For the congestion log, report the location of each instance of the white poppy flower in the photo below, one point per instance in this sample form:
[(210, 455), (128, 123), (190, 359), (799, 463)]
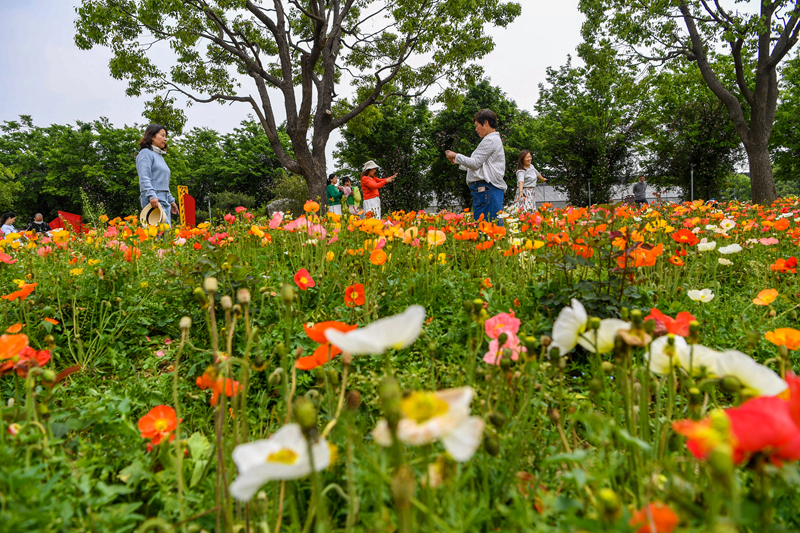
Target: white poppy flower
[(571, 322), (698, 357), (396, 332), (282, 456), (704, 295), (706, 246), (730, 249), (723, 261), (664, 358), (757, 379), (442, 415), (605, 335)]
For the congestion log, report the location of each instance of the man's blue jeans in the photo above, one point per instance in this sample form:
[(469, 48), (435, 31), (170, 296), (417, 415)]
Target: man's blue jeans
[(487, 202)]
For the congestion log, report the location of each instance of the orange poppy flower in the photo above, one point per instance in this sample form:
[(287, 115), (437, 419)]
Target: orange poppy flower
[(325, 351), (485, 245), (765, 297), (781, 224), (788, 337), (132, 254), (677, 261), (654, 518), (158, 423), (52, 321), (212, 380), (583, 250), (311, 206), (12, 345), (354, 295), (436, 237), (377, 257), (303, 279), (785, 265), (22, 293), (14, 328)]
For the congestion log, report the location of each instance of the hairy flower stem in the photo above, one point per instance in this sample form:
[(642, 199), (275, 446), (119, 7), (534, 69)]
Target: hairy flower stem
[(178, 451)]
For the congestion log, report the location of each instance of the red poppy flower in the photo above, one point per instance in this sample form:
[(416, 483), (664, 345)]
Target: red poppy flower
[(654, 518), (22, 293), (158, 423), (678, 325), (197, 246), (684, 236), (325, 351), (354, 295), (785, 265), (29, 358), (303, 279)]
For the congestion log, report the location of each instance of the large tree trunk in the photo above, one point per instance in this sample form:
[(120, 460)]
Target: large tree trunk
[(762, 184)]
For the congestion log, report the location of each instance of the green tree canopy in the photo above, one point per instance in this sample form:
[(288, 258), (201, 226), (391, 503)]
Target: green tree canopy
[(294, 53), (786, 135), (756, 39)]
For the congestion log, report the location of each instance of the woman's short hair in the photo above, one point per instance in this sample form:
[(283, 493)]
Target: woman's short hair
[(150, 132), (486, 115), (6, 216), (520, 160)]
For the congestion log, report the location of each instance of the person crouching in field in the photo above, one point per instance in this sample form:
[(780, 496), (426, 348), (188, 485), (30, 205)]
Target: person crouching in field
[(370, 184)]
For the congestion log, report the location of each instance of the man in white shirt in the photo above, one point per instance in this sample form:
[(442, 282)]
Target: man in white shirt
[(485, 168)]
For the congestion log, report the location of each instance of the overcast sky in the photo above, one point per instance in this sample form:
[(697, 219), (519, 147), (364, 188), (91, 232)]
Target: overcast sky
[(43, 73)]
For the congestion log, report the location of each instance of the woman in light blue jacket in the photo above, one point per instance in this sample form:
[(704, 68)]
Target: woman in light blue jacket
[(153, 171)]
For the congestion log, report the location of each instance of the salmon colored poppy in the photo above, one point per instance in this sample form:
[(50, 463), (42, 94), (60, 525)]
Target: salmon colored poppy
[(678, 325), (436, 237), (158, 423), (354, 295), (325, 351), (654, 517), (684, 236), (765, 297), (5, 258), (23, 292), (788, 337), (377, 257), (303, 279)]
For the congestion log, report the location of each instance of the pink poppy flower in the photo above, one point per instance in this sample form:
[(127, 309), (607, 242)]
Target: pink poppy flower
[(295, 224), (275, 223), (502, 323), (111, 232), (495, 353), (230, 219), (160, 353), (768, 241), (5, 258), (240, 209)]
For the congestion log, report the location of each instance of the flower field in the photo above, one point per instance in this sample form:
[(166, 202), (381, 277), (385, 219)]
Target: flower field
[(603, 369)]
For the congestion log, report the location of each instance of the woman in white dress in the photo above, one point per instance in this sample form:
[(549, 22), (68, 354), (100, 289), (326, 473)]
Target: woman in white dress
[(527, 178)]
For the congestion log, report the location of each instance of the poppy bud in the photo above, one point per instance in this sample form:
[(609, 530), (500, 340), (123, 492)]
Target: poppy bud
[(609, 504), (225, 266), (243, 296), (623, 313), (432, 347), (262, 290), (347, 358), (793, 316), (201, 297), (287, 293), (555, 353), (497, 419), (262, 502), (477, 304), (730, 384), (491, 445), (281, 349), (237, 311), (211, 285), (720, 459), (275, 377), (403, 486), (353, 400), (695, 396), (390, 395), (594, 323), (49, 376), (226, 302), (554, 415), (637, 319), (468, 306), (649, 326), (783, 351), (49, 340), (753, 338), (305, 414), (333, 377), (259, 364), (608, 367), (312, 394), (545, 341), (595, 385), (502, 338), (185, 323)]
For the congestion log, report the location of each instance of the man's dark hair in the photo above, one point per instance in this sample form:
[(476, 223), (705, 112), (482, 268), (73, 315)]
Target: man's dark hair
[(151, 131), (486, 115)]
